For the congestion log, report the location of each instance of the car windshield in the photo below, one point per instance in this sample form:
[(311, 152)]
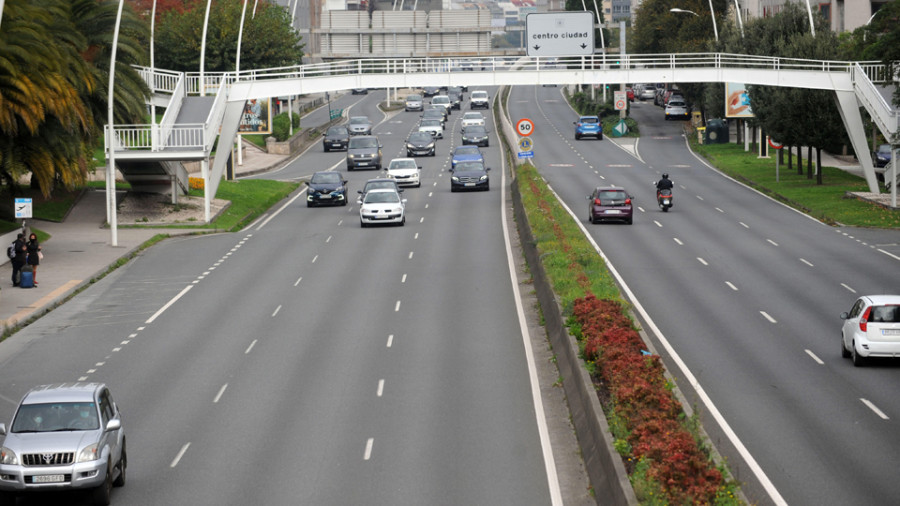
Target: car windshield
[(467, 166), (473, 115), (402, 164), (363, 143), (359, 120), (420, 137), (374, 185), (57, 416), (441, 100), (382, 198), (414, 98), (474, 130), (673, 103), (326, 177), (433, 113), (467, 150), (431, 123), (608, 197), (590, 119), (884, 149), (337, 130)]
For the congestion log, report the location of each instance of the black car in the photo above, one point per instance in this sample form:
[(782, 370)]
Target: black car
[(379, 183), (882, 156), (364, 151), (420, 144), (457, 89), (455, 100), (469, 176), (336, 137), (326, 187), (435, 111), (430, 91), (359, 91), (476, 135)]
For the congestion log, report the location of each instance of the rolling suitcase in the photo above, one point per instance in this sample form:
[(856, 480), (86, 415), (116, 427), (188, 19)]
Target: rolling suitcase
[(27, 280)]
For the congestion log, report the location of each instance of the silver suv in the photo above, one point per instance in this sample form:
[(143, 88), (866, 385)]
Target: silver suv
[(64, 437)]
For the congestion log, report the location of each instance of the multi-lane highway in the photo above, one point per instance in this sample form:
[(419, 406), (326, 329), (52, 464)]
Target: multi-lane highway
[(748, 293)]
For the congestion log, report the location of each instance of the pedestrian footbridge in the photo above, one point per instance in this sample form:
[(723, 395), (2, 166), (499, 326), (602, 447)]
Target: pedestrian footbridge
[(201, 107)]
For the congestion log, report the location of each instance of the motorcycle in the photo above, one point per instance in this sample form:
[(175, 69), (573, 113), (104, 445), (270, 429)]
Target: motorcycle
[(664, 199)]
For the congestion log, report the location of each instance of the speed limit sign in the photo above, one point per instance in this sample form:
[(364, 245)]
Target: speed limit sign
[(525, 127), (775, 144)]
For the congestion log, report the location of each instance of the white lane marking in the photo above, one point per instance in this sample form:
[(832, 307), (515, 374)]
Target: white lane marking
[(390, 340), (721, 211), (754, 466), (702, 261), (315, 258), (180, 454), (403, 279), (83, 378), (397, 306), (807, 262), (247, 351), (328, 240), (678, 241), (219, 395), (895, 257), (168, 304), (340, 222), (641, 209), (410, 255), (99, 364), (422, 219), (731, 285), (699, 197), (426, 206), (430, 193), (658, 224), (277, 309), (848, 288), (874, 408), (768, 317), (91, 371), (298, 281), (814, 357), (368, 453), (770, 241), (380, 390), (416, 236), (744, 224)]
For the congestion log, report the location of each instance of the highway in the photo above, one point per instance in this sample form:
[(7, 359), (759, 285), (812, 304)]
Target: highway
[(306, 360), (748, 293)]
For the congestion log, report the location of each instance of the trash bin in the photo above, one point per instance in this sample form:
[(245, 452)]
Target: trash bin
[(716, 132)]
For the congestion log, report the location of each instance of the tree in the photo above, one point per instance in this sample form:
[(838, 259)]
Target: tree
[(50, 88), (268, 40)]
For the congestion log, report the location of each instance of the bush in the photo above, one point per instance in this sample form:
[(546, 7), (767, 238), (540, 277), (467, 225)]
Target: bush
[(281, 129)]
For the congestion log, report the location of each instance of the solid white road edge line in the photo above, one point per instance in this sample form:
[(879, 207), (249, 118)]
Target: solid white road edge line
[(541, 417), (174, 300), (180, 454), (713, 410), (874, 408)]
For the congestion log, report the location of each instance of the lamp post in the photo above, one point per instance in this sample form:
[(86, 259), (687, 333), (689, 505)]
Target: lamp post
[(737, 10), (111, 133), (711, 12), (812, 27)]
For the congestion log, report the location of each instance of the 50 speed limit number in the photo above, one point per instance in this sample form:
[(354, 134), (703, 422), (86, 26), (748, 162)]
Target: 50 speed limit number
[(525, 127)]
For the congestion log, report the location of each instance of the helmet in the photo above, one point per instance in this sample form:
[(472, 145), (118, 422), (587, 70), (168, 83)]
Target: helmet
[(665, 175)]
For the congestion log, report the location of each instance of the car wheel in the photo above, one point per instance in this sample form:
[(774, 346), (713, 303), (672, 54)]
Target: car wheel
[(630, 221), (487, 144), (845, 353), (344, 202), (433, 153), (123, 464), (452, 189), (7, 498), (600, 137), (362, 224), (349, 168), (665, 209), (102, 493), (326, 149), (309, 204), (409, 153), (403, 221), (858, 360), (577, 137)]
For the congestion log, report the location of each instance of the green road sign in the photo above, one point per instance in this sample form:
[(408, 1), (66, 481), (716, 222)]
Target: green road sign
[(335, 113), (620, 129)]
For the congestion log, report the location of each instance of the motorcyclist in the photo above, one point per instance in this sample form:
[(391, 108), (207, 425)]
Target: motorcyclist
[(665, 183)]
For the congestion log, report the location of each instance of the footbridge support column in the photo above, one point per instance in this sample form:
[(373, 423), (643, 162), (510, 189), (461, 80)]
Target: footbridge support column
[(849, 109)]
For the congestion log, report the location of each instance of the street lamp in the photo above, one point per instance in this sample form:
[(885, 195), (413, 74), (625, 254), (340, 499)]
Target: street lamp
[(737, 10), (711, 12)]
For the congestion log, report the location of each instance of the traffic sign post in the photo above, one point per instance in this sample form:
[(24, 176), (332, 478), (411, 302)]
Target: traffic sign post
[(620, 98), (559, 33), (620, 129), (525, 127), (776, 145)]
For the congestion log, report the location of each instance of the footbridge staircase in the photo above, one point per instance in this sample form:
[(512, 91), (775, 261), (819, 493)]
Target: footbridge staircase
[(146, 154)]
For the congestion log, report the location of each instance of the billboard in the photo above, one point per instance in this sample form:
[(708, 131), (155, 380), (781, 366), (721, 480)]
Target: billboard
[(257, 117), (737, 101)]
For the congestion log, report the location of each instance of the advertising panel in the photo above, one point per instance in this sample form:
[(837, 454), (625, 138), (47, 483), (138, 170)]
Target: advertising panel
[(737, 101), (256, 117)]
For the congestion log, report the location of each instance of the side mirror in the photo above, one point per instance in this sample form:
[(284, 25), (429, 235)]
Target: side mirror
[(345, 182), (403, 201), (486, 169), (588, 197), (2, 429), (306, 183), (359, 192), (845, 315), (114, 424)]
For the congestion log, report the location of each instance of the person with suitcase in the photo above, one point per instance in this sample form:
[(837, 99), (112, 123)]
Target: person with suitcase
[(18, 260), (34, 255)]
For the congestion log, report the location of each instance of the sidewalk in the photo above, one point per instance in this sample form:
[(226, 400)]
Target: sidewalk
[(79, 250)]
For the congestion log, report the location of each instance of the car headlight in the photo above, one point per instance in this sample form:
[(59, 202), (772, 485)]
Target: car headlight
[(8, 457), (88, 454), (483, 178), (351, 155), (454, 178)]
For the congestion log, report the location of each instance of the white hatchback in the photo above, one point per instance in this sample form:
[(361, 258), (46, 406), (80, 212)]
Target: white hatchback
[(871, 328), (472, 118), (405, 171), (382, 205)]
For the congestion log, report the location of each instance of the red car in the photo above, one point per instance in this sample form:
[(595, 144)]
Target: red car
[(610, 203), (630, 93)]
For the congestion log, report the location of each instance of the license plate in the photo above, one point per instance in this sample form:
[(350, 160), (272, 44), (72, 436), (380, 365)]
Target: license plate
[(382, 217), (890, 332), (325, 196), (48, 478), (666, 202), (470, 184), (613, 211)]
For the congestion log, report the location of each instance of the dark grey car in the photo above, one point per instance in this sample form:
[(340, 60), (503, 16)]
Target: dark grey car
[(364, 152), (64, 437), (336, 137), (360, 125), (476, 135)]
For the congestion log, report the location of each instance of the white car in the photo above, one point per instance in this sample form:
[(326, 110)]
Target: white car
[(382, 205), (443, 101), (472, 118), (677, 109), (432, 126), (479, 99), (405, 171), (871, 328)]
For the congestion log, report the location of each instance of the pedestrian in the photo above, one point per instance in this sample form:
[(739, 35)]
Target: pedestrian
[(18, 261), (34, 254)]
